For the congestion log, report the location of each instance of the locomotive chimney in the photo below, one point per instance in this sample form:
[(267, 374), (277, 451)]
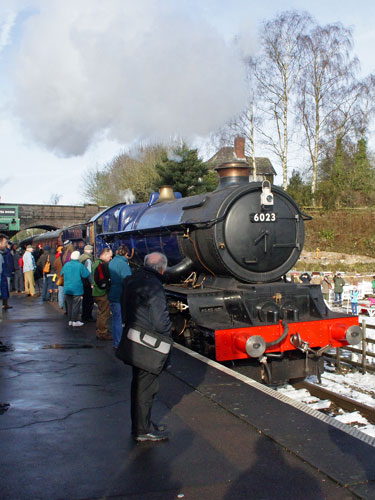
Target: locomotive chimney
[(237, 171)]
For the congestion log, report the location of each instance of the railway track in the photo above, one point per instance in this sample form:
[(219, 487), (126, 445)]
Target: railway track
[(343, 402)]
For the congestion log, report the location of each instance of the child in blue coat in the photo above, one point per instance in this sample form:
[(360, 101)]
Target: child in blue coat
[(354, 300)]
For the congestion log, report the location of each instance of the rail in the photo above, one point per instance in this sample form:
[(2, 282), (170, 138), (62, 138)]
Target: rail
[(339, 400), (365, 357)]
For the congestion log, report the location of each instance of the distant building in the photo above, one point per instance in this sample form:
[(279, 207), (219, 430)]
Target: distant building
[(264, 168)]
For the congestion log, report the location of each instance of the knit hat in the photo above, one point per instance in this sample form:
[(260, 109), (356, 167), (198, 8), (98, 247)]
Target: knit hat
[(88, 248), (29, 247), (47, 248), (75, 255)]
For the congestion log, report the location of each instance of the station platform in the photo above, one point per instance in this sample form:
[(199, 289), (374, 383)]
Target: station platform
[(66, 432)]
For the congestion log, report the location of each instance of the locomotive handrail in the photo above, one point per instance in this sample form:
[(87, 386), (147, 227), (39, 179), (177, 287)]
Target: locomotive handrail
[(305, 216)]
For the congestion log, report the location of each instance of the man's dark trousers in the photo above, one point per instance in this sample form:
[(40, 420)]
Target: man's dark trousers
[(87, 302), (145, 386)]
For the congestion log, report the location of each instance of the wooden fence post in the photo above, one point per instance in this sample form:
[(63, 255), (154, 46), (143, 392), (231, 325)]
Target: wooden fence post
[(364, 347)]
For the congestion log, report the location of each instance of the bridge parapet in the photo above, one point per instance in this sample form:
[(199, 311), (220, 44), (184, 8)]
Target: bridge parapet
[(53, 216)]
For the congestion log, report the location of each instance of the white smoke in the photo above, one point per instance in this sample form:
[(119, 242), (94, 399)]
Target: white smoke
[(125, 70), (172, 156), (128, 196)]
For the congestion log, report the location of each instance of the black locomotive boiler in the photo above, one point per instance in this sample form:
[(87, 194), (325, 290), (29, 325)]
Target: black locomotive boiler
[(229, 252)]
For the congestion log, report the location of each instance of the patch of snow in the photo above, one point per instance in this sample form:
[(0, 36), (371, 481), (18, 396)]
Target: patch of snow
[(350, 418), (321, 404)]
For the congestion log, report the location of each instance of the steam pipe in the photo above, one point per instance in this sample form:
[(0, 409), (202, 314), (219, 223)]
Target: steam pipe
[(180, 270), (282, 337)]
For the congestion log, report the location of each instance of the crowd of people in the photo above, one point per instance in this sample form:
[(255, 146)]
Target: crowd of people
[(72, 279), (135, 302), (335, 284)]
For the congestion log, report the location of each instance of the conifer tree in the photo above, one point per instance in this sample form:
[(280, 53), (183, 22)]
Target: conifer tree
[(185, 172)]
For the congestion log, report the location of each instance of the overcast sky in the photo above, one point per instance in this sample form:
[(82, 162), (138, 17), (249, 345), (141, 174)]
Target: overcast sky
[(80, 80)]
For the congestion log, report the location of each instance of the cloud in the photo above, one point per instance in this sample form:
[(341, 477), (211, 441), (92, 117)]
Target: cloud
[(4, 182), (7, 21), (125, 70)]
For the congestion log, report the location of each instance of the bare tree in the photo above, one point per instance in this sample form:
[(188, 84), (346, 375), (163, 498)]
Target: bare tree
[(276, 71), (134, 169), (55, 198), (328, 92)]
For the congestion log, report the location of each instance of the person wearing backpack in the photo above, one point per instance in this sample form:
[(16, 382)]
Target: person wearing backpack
[(100, 291)]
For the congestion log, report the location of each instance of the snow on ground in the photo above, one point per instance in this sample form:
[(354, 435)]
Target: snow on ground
[(352, 385)]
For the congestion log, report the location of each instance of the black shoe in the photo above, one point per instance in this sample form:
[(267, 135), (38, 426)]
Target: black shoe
[(154, 435)]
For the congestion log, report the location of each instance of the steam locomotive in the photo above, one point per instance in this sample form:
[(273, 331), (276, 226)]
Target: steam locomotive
[(228, 253)]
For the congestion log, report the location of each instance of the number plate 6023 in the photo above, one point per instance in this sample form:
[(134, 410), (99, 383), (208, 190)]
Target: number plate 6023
[(263, 217)]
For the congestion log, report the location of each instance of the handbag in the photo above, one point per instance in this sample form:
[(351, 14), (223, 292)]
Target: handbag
[(144, 349), (47, 266), (60, 281)]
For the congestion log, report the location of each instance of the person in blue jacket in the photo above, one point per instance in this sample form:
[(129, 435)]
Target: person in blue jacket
[(118, 270), (73, 272), (354, 300)]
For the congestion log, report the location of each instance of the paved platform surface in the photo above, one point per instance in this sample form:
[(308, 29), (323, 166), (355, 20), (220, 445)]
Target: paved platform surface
[(66, 433)]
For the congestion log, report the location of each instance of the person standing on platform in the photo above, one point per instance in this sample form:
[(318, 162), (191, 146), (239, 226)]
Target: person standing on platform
[(354, 294), (101, 287), (74, 272), (118, 270), (3, 244), (326, 286), (18, 271), (3, 280), (305, 278), (46, 263), (88, 301), (28, 271), (338, 289), (7, 274), (144, 304), (59, 281)]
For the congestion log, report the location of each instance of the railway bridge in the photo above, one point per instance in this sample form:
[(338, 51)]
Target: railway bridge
[(18, 217)]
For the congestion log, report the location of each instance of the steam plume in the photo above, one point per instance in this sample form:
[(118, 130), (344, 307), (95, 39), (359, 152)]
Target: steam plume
[(127, 70)]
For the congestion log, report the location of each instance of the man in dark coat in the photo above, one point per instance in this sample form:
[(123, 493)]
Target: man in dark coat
[(7, 274), (144, 304)]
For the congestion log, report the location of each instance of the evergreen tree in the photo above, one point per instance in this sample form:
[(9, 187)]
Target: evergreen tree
[(299, 190), (185, 172), (362, 179), (339, 175)]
